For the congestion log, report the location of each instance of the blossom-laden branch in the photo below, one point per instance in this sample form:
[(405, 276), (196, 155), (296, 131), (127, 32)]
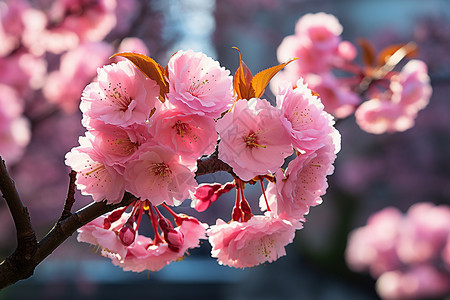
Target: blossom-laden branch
[(30, 253)]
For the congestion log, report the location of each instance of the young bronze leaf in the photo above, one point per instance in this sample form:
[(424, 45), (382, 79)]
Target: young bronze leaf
[(386, 53), (242, 80), (368, 52), (150, 68), (261, 80)]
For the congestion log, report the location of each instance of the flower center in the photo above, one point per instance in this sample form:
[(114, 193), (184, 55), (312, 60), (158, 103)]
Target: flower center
[(118, 96), (252, 140), (181, 128), (160, 169)]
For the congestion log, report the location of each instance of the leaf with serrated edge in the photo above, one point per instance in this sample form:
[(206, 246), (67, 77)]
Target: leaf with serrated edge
[(150, 68), (261, 80)]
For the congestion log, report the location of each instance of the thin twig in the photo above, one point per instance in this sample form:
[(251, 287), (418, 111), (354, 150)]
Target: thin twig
[(70, 200)]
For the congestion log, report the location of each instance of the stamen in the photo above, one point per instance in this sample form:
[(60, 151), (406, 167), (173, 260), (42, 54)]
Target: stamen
[(181, 128), (94, 170), (160, 169), (252, 140)]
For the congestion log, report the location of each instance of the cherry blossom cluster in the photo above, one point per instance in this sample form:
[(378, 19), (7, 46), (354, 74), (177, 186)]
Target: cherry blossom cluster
[(409, 254), (394, 97), (49, 51), (148, 130)]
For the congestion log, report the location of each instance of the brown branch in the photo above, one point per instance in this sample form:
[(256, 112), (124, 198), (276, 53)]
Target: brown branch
[(212, 164), (21, 265), (26, 237), (70, 200), (15, 268)]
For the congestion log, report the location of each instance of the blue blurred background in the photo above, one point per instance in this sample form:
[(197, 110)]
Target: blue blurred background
[(371, 171)]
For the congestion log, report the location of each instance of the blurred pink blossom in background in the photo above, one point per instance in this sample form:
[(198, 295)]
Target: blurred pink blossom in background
[(406, 252)]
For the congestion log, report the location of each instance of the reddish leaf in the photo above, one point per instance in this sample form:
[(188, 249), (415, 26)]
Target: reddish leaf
[(261, 80), (242, 80), (150, 68), (410, 51), (368, 52)]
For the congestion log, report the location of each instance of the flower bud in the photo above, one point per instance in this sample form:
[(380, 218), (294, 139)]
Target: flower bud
[(205, 194), (127, 234), (165, 224), (175, 239)]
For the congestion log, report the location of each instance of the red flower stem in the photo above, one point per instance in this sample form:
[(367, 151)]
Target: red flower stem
[(237, 213), (177, 218), (141, 212), (264, 193), (175, 215), (158, 212), (154, 221), (135, 207)]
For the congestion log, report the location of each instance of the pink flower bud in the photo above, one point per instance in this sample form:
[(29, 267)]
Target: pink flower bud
[(127, 235), (106, 223), (165, 224), (206, 194), (175, 239)]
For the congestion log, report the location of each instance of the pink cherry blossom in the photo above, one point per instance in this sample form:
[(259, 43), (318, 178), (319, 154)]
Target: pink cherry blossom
[(91, 21), (122, 96), (378, 116), (411, 87), (424, 233), (116, 144), (133, 44), (145, 255), (253, 140), (316, 42), (321, 29), (23, 72), (419, 282), (158, 176), (302, 185), (347, 51), (94, 177), (78, 67), (15, 131), (40, 37), (405, 252), (311, 61), (190, 135), (337, 98), (248, 244), (373, 246), (106, 237), (198, 84), (304, 117), (11, 25)]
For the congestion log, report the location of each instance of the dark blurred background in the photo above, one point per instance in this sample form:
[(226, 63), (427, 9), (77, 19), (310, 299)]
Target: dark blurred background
[(371, 172)]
